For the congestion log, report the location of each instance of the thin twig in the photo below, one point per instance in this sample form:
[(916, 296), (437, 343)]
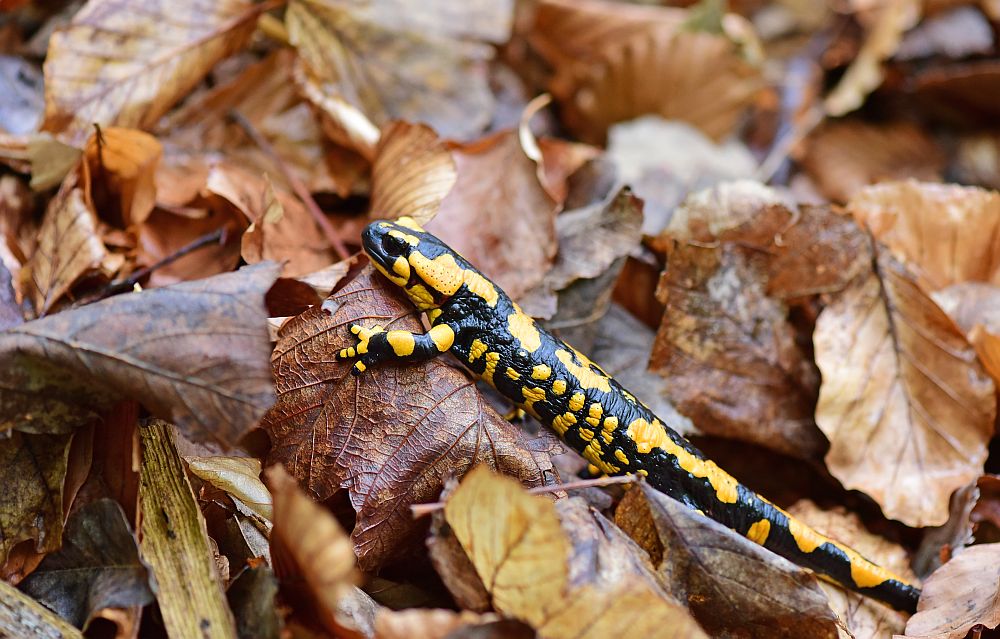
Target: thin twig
[(300, 190), (421, 510)]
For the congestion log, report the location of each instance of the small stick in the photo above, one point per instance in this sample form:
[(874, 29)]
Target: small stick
[(300, 190), (420, 510)]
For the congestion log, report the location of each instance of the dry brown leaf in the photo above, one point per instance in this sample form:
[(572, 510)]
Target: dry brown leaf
[(843, 157), (605, 53), (125, 62), (68, 248), (962, 593), (945, 233), (865, 618), (164, 234), (238, 476), (196, 352), (122, 165), (975, 307), (51, 160), (496, 179), (865, 73), (900, 377), (377, 57), (412, 173), (390, 437)]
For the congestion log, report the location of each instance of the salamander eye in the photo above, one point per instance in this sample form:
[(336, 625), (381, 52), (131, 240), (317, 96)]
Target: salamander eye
[(393, 245)]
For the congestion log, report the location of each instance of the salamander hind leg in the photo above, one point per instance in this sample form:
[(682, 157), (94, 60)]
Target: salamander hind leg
[(377, 345)]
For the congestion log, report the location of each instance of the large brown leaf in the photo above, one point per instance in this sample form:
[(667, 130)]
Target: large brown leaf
[(412, 173), (495, 179), (907, 408), (732, 586), (196, 352), (125, 62), (605, 55), (390, 437)]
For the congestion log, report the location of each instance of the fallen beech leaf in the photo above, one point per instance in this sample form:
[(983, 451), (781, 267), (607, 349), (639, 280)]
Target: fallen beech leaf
[(975, 307), (161, 52), (453, 565), (238, 476), (164, 234), (844, 156), (517, 545), (340, 121), (390, 437), (412, 173), (732, 586), (33, 472), (123, 163), (865, 73), (98, 567), (374, 55), (939, 543), (864, 617), (251, 597), (196, 352), (495, 177), (943, 232), (22, 616), (68, 248), (962, 593), (437, 623), (900, 377), (604, 54), (51, 160), (175, 543)]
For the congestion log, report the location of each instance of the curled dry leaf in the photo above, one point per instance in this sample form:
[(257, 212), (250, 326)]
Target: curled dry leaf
[(238, 476), (161, 51), (975, 307), (732, 586), (196, 352), (962, 593), (176, 545), (68, 248), (522, 554), (412, 173), (842, 157), (122, 164), (495, 178), (374, 56), (390, 437), (604, 54), (22, 616), (98, 567), (865, 618), (945, 233), (33, 472), (900, 377)]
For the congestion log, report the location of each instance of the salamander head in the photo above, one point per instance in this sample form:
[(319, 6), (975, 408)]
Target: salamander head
[(415, 260)]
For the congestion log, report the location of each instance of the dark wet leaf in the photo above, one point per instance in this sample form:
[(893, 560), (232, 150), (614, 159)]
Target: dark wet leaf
[(22, 616), (251, 597)]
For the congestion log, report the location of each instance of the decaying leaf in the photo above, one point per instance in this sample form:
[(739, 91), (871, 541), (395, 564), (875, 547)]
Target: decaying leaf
[(195, 352), (962, 593), (899, 377), (604, 54), (441, 624), (945, 233), (122, 163), (391, 437), (238, 476), (175, 543), (251, 597), (32, 470), (22, 616), (496, 177), (98, 567), (519, 549), (412, 173), (732, 586), (161, 51)]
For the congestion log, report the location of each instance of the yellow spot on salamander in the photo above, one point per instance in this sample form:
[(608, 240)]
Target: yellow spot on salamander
[(562, 423), (622, 457), (559, 386), (420, 296), (402, 268), (445, 276), (531, 395), (610, 423), (443, 337), (491, 366), (402, 342), (584, 374), (759, 531), (541, 372), (643, 472), (476, 350), (412, 240), (360, 367), (629, 396), (592, 469), (805, 537), (606, 436), (433, 314), (576, 401), (523, 328), (513, 374), (864, 573), (594, 414), (409, 222), (586, 434)]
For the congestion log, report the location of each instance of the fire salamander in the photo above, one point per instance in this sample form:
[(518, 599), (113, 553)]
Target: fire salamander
[(589, 410)]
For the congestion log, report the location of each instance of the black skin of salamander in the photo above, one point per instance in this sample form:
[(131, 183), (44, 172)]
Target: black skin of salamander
[(471, 318)]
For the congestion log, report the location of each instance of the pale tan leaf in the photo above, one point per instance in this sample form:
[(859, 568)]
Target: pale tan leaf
[(945, 233), (125, 62), (975, 307), (960, 594), (907, 408), (176, 545), (412, 173), (238, 476), (51, 160)]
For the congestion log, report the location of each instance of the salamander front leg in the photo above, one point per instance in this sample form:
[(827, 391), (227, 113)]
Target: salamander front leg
[(376, 345)]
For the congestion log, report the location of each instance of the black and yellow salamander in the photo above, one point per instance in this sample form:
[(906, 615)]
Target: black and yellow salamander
[(589, 410)]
